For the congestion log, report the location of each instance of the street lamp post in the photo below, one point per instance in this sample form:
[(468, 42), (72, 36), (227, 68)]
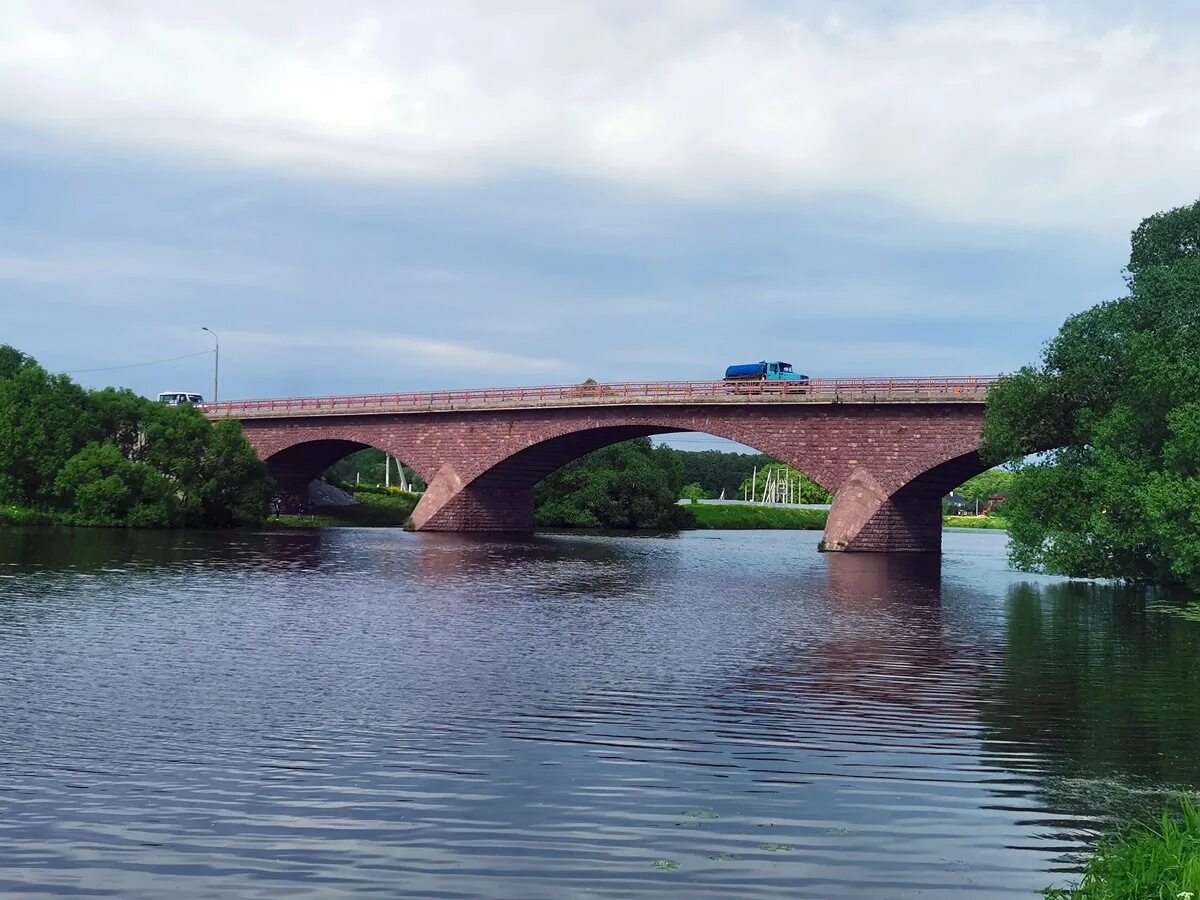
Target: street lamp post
[(216, 359)]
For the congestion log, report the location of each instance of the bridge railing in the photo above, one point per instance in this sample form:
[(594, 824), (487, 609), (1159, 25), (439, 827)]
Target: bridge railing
[(971, 388)]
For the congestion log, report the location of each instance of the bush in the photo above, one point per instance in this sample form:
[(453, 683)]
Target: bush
[(1151, 862), (625, 486), (99, 486), (22, 515)]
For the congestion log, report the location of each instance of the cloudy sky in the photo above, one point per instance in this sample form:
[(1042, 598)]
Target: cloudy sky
[(373, 196)]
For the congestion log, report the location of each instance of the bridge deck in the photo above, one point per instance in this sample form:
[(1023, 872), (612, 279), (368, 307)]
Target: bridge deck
[(965, 389)]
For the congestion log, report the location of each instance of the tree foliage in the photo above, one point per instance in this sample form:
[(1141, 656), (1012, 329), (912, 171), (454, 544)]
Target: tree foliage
[(625, 486), (719, 470), (810, 491), (992, 483), (100, 486), (111, 457), (44, 420), (1114, 407), (367, 464)]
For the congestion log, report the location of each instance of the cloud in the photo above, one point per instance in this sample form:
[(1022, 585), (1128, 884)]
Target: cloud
[(454, 356), (995, 113), (91, 264)]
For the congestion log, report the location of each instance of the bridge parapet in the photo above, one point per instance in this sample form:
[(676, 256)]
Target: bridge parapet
[(962, 389)]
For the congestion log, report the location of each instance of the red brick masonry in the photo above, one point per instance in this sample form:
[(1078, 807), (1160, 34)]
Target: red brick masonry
[(888, 464)]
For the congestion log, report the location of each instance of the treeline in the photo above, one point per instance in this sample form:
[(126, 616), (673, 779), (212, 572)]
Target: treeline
[(737, 475), (628, 485), (367, 467), (637, 485), (113, 458)]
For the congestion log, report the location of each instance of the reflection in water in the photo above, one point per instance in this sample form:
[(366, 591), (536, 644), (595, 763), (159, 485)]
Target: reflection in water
[(347, 712), (1105, 693), (89, 550)]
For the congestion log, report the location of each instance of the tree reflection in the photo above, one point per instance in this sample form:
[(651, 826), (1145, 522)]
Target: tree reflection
[(81, 550), (1099, 685), (559, 565)]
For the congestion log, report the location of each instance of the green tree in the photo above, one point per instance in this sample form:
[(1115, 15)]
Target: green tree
[(625, 486), (44, 421), (1114, 407), (367, 464), (234, 487), (99, 486), (810, 491), (693, 492), (104, 457), (987, 484), (11, 361), (718, 470)]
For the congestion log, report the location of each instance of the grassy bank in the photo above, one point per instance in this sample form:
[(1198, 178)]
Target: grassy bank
[(994, 522), (712, 515), (1153, 862), (373, 510)]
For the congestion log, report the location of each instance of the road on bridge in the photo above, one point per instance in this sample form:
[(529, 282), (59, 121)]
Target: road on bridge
[(939, 389)]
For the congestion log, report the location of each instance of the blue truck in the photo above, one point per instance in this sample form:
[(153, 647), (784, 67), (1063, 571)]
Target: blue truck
[(764, 371)]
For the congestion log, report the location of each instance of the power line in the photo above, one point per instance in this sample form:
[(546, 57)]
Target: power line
[(153, 362)]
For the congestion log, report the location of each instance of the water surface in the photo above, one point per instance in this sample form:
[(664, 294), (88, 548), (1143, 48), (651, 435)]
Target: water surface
[(357, 712)]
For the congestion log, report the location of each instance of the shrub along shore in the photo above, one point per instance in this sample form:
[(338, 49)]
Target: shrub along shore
[(1160, 861)]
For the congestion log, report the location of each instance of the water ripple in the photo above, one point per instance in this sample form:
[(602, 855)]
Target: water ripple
[(359, 713)]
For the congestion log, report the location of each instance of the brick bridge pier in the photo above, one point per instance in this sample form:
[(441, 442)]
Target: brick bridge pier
[(887, 449)]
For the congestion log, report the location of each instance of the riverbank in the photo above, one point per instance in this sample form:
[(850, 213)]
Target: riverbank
[(378, 509), (739, 517), (996, 523), (373, 510), (744, 516), (1159, 860)]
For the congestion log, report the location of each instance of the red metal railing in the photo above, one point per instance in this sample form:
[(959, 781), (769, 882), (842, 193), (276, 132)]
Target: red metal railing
[(967, 388)]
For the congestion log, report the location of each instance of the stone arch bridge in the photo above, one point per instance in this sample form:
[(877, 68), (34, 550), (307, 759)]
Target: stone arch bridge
[(887, 449)]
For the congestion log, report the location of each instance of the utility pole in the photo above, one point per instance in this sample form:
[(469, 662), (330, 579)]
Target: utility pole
[(753, 484), (216, 359)]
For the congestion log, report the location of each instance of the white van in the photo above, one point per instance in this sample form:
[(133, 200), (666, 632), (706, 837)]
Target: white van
[(174, 398)]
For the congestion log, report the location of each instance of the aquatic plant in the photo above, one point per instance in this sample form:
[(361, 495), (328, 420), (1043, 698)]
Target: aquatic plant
[(1149, 862)]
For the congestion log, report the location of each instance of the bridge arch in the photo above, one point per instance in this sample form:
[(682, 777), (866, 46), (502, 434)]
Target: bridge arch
[(494, 492), (297, 465)]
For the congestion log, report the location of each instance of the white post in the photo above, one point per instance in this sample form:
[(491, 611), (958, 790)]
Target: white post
[(387, 470), (753, 484), (403, 477)]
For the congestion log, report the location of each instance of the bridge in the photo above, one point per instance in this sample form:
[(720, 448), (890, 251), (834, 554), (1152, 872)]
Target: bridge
[(888, 449)]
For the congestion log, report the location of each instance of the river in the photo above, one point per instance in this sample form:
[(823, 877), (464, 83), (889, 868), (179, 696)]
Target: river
[(351, 712)]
